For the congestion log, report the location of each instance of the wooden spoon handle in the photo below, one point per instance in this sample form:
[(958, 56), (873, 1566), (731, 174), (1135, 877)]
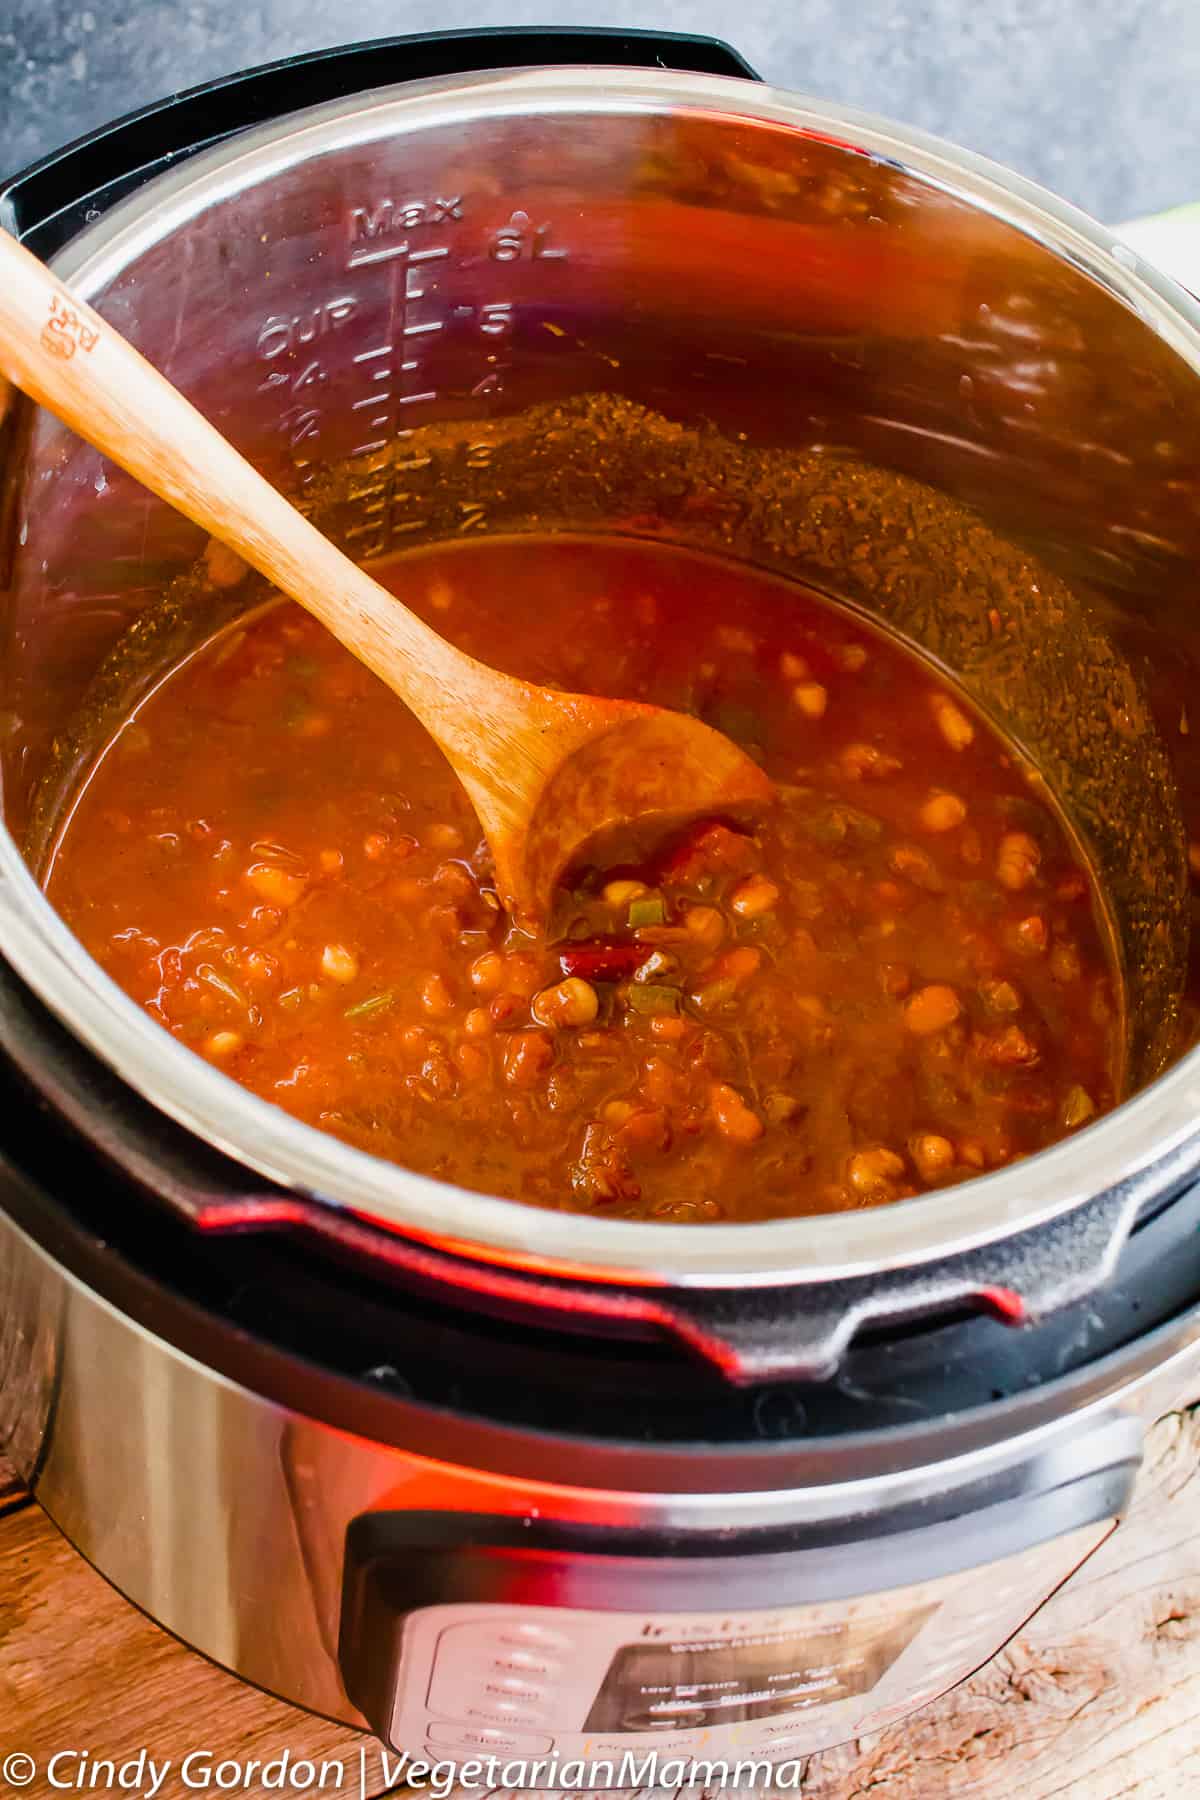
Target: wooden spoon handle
[(65, 356)]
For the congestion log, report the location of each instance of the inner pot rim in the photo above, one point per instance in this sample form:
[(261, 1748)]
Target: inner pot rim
[(1107, 1155)]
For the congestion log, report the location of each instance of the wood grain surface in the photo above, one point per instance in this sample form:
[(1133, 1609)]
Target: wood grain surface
[(1097, 1699)]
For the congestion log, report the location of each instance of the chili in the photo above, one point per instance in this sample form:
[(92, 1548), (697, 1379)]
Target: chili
[(898, 979)]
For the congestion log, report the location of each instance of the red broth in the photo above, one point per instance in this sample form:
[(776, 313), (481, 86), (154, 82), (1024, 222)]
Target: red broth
[(898, 979)]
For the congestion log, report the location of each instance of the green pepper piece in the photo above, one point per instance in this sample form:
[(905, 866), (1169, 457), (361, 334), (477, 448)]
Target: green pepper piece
[(372, 1004), (650, 911), (649, 998)]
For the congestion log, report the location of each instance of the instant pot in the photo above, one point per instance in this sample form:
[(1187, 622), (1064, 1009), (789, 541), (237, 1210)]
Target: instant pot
[(486, 1478)]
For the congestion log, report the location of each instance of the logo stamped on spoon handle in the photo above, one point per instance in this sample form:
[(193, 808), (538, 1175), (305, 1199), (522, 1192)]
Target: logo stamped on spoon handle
[(65, 332)]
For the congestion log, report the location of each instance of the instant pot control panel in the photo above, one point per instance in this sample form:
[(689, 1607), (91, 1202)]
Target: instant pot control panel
[(571, 1653)]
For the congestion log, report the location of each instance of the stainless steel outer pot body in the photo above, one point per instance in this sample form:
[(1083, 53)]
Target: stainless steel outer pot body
[(228, 1509), (388, 286)]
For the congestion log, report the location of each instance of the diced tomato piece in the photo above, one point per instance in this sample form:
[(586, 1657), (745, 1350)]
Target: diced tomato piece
[(711, 849)]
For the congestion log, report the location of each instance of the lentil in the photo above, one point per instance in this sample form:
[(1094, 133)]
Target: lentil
[(620, 893), (1018, 860), (869, 1171), (933, 1155), (339, 963), (734, 1119), (487, 972), (811, 699), (572, 1002), (276, 885), (942, 812), (753, 897), (952, 722), (931, 1009)]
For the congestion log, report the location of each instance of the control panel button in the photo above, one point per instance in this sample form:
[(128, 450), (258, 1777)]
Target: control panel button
[(457, 1736), (539, 1672), (521, 1636), (512, 1688), (508, 1648), (534, 1664), (503, 1712), (466, 1686)]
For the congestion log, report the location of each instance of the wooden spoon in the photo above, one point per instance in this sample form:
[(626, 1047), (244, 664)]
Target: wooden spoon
[(546, 771)]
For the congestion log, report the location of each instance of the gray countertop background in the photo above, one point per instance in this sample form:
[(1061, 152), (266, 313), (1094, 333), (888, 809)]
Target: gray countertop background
[(1097, 99)]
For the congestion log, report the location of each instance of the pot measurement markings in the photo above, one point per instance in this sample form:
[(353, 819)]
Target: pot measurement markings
[(394, 375), (517, 241), (301, 416), (390, 376)]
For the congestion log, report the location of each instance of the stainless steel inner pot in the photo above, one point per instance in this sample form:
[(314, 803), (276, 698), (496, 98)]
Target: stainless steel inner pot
[(665, 304)]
